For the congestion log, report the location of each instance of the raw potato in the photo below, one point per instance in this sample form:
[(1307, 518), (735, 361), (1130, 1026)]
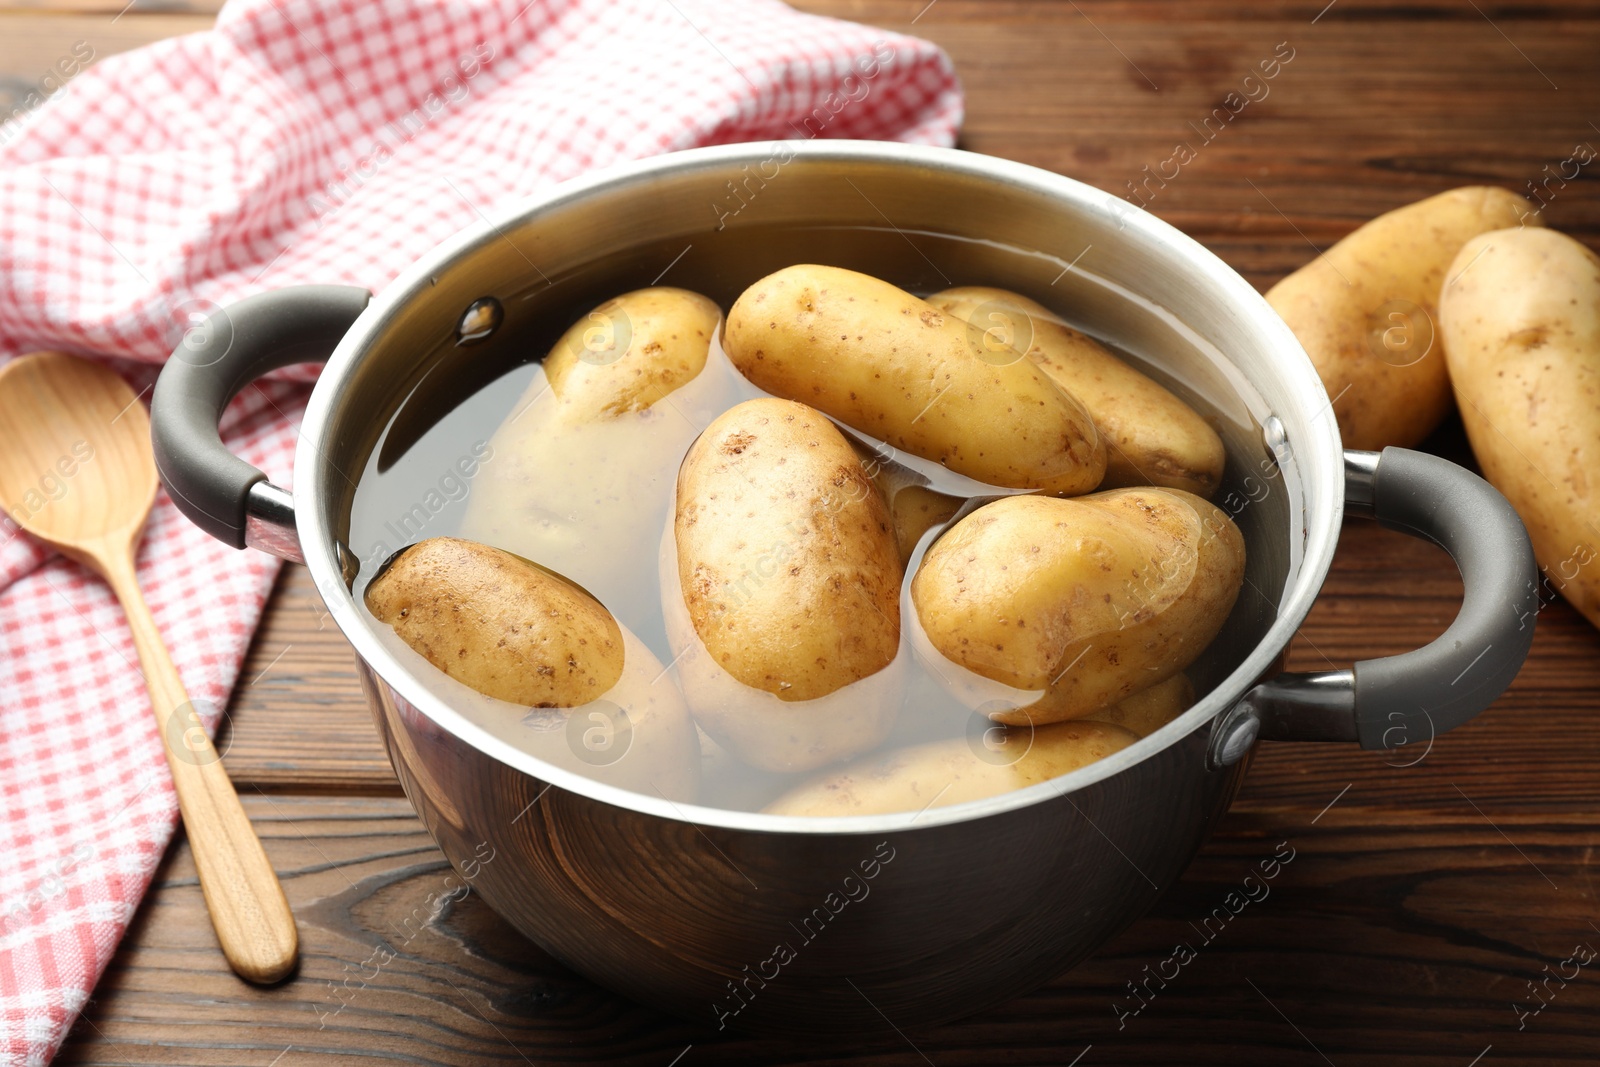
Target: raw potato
[(782, 590), (587, 456), (952, 771), (520, 637), (663, 335), (1151, 437), (1521, 328), (498, 624), (897, 368), (1146, 712), (1365, 311), (914, 508), (1056, 609), (786, 555)]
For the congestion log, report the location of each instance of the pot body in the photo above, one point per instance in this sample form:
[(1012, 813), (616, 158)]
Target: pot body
[(871, 923), (741, 922), (803, 934)]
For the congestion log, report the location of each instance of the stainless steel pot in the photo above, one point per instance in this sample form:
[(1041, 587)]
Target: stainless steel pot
[(799, 926)]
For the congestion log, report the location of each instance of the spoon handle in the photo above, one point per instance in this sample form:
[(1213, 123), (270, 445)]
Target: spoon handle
[(248, 909)]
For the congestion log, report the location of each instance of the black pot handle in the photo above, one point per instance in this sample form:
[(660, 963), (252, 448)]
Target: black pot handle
[(218, 491), (1409, 698)]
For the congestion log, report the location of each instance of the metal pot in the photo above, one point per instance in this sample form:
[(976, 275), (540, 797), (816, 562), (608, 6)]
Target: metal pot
[(799, 926)]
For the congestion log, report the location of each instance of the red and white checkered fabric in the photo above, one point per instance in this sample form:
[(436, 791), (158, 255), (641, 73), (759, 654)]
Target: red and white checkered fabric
[(303, 142)]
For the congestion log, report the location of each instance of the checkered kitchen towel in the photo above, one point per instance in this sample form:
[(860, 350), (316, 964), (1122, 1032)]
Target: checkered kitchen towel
[(302, 142)]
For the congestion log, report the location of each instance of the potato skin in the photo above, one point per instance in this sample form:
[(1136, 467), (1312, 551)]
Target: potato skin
[(1340, 307), (1521, 330), (664, 335), (786, 553), (515, 632), (940, 773), (1151, 437), (1077, 604), (499, 624), (897, 368), (914, 508), (1149, 710)]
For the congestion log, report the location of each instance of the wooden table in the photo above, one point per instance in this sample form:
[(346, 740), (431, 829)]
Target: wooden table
[(1422, 899)]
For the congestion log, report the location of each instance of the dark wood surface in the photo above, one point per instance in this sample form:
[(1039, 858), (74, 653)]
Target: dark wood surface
[(1422, 899)]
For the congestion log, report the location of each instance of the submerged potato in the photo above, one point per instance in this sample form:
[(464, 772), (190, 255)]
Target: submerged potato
[(787, 578), (952, 771), (897, 368), (1069, 606), (1151, 437), (516, 633), (1146, 712), (587, 456), (1521, 327), (499, 624), (1365, 312), (914, 508)]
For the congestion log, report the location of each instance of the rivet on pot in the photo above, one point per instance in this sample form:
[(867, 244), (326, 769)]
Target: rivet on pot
[(482, 318), (1276, 438), (1233, 736)]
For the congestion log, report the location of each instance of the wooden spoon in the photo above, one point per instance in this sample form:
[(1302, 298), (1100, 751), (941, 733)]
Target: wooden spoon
[(77, 472)]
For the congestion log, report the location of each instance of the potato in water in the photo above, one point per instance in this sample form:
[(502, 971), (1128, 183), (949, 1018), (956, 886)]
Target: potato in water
[(1365, 311), (497, 623), (1069, 606), (598, 435), (895, 367), (783, 595), (515, 632), (955, 770), (629, 352), (1147, 711), (914, 508), (1151, 437)]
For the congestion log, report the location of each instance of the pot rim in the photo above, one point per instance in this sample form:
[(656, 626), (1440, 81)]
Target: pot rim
[(1319, 456)]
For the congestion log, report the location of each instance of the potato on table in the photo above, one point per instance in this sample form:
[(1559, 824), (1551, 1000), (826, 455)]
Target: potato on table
[(1037, 609), (517, 633), (781, 589), (893, 366), (952, 771), (1521, 328), (1151, 437), (1365, 311), (588, 454)]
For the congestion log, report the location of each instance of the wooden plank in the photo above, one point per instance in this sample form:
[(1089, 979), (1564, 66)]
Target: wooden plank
[(1380, 105), (925, 18), (297, 720), (134, 9), (1380, 942), (32, 46)]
